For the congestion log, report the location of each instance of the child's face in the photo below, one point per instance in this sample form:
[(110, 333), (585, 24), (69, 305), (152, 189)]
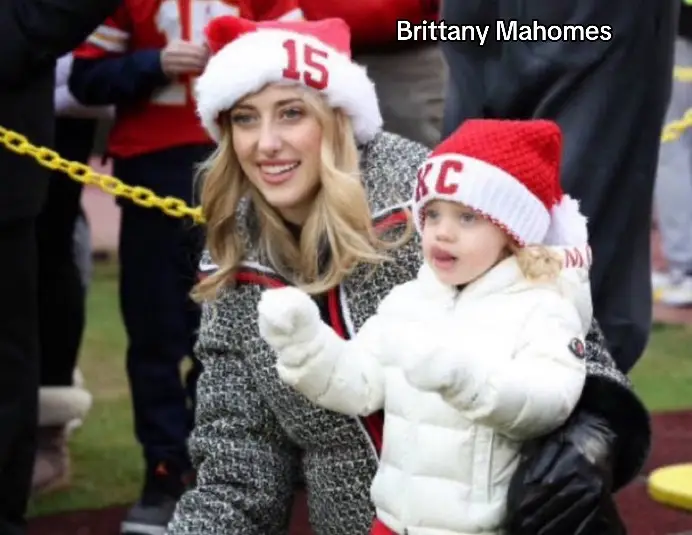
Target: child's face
[(459, 244)]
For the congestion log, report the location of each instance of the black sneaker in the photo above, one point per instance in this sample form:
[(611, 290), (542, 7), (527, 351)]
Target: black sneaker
[(152, 513)]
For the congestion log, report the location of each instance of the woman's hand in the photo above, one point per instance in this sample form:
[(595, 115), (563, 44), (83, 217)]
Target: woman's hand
[(183, 57), (563, 484), (289, 321)]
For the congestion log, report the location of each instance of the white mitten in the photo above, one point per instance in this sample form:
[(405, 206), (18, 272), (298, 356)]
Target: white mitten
[(289, 321), (434, 371), (457, 379)]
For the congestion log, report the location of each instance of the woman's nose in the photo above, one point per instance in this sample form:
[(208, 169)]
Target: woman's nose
[(269, 139)]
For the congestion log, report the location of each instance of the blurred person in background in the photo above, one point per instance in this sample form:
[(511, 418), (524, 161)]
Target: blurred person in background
[(609, 97), (409, 76), (62, 289), (33, 34), (673, 192), (611, 116), (143, 60)]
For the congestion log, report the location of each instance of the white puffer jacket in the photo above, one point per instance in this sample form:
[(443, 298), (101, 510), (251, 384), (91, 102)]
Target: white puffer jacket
[(506, 359)]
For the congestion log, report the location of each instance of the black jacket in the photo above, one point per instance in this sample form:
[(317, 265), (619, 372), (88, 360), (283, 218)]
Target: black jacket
[(685, 22), (33, 34)]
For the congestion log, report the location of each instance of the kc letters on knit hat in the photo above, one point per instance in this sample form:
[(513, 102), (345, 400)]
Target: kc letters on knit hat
[(509, 172), (248, 55)]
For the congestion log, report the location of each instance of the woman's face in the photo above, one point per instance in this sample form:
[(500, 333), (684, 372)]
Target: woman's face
[(277, 139)]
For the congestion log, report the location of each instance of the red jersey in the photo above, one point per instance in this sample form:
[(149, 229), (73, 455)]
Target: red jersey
[(168, 118)]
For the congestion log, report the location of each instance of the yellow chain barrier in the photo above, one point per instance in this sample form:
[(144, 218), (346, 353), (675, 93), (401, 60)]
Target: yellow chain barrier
[(673, 130), (80, 172), (682, 74), (173, 206)]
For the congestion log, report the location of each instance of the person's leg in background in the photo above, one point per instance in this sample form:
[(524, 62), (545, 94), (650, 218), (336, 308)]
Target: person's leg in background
[(610, 99), (61, 311), (85, 265), (410, 85), (19, 358), (82, 248), (158, 263), (83, 251), (191, 271), (673, 196)]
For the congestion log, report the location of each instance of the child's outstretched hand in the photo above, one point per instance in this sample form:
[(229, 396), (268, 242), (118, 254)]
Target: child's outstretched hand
[(289, 321), (433, 372), (454, 376)]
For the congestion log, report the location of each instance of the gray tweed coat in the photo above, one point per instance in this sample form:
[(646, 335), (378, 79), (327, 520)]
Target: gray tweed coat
[(253, 434)]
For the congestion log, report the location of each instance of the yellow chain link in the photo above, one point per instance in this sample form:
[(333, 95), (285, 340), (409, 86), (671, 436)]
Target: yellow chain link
[(80, 172), (682, 74), (175, 207), (673, 130)]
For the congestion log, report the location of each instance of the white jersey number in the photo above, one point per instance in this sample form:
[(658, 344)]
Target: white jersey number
[(168, 21)]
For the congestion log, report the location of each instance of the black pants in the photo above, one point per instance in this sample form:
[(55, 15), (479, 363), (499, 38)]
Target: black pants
[(18, 369), (61, 290), (158, 265), (610, 99)]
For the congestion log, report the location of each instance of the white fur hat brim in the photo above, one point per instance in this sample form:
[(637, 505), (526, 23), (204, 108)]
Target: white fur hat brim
[(253, 60)]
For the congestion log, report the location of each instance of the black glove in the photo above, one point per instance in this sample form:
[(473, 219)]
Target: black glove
[(563, 485)]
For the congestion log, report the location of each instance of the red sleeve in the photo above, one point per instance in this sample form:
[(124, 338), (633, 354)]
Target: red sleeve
[(276, 10), (111, 37), (372, 22)]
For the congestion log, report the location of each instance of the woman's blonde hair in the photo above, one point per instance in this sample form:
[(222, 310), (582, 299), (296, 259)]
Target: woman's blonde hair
[(537, 262), (339, 223)]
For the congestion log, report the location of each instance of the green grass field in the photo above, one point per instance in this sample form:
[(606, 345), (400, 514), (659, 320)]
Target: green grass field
[(106, 460)]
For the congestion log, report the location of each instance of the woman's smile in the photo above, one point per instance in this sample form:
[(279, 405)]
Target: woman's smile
[(277, 172)]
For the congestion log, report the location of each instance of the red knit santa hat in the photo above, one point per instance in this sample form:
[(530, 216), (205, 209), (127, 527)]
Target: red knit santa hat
[(248, 55), (508, 171)]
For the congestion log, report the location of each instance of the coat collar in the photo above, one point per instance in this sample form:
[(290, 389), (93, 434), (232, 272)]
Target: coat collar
[(573, 281), (504, 275)]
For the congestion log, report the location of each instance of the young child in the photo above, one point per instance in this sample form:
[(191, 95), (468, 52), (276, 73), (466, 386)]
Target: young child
[(483, 350)]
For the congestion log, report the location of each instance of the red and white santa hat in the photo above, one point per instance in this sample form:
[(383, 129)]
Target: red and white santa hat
[(508, 171), (248, 55)]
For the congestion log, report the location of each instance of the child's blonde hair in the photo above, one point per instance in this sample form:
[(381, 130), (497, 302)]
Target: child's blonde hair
[(340, 219), (538, 263)]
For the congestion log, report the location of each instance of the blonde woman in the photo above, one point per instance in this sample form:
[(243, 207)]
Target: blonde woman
[(305, 190)]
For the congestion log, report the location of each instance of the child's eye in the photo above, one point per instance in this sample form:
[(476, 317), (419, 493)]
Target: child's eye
[(468, 217), (431, 214)]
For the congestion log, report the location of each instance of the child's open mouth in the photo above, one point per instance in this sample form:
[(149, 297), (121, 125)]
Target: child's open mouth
[(442, 259)]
